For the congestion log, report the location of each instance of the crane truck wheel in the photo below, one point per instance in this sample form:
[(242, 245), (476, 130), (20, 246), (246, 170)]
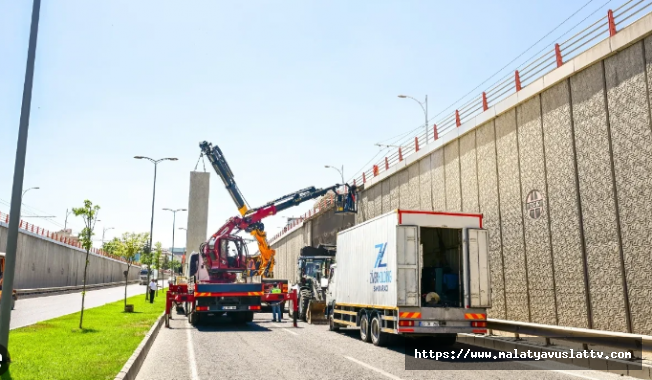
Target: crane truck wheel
[(332, 326), (364, 328), (303, 304), (378, 337)]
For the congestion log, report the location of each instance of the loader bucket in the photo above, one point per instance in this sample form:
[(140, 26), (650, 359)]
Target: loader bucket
[(316, 313)]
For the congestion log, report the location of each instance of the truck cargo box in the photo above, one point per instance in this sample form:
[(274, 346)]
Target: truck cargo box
[(396, 259)]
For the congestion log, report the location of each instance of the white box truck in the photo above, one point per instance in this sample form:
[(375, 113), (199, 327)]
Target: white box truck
[(413, 273)]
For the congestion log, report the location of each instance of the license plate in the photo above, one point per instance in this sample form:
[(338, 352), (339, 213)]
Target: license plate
[(429, 323), (228, 308)]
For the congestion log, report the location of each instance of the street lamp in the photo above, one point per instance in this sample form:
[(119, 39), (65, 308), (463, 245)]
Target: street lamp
[(155, 162), (104, 231), (425, 110), (174, 221), (339, 171), (31, 188)]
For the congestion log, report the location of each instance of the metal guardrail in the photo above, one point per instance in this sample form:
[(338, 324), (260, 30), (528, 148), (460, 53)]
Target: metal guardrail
[(624, 341), (554, 56), (62, 289)]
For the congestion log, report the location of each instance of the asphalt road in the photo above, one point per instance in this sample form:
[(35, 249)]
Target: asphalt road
[(266, 350), (31, 310)]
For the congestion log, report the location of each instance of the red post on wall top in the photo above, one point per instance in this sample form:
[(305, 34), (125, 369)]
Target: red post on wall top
[(364, 178), (612, 23), (375, 170), (354, 182), (386, 164), (517, 79), (458, 122), (434, 127), (560, 61), (416, 144), (485, 105), (400, 154)]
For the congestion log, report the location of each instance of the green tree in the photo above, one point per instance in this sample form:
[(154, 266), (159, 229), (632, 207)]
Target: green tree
[(111, 247), (89, 213), (156, 262), (131, 244)]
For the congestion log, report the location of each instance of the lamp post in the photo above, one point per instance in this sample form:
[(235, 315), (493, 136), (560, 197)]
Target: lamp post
[(65, 223), (104, 232), (17, 186), (341, 171), (25, 191), (424, 107), (155, 162), (174, 221)]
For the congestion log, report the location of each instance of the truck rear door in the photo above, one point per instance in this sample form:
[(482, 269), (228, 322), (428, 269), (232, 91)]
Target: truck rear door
[(478, 292), (407, 264)]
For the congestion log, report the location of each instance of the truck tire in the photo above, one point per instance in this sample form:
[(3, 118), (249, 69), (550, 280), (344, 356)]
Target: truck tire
[(445, 340), (193, 318), (365, 336), (304, 303), (378, 337)]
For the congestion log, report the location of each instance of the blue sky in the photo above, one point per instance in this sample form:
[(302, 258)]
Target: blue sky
[(283, 87)]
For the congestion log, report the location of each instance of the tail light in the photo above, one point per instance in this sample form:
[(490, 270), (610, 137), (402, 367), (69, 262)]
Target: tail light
[(479, 324), (406, 323), (254, 307), (202, 308), (285, 288)]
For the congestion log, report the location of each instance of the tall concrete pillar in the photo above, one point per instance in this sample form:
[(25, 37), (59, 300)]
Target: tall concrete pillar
[(197, 210)]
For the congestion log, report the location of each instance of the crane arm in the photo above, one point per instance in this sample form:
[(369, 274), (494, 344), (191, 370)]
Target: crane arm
[(215, 156)]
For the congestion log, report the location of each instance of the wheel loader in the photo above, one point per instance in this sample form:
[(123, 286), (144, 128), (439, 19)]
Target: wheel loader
[(313, 267)]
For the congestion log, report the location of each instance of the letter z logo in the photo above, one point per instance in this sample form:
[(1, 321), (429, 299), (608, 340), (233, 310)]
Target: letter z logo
[(381, 254)]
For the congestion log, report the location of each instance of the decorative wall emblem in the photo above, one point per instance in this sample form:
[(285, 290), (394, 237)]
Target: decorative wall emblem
[(534, 204)]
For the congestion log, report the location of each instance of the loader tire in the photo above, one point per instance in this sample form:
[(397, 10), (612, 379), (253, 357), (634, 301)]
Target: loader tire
[(304, 303)]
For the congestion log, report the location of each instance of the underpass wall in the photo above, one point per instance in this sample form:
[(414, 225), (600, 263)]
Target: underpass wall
[(563, 176), (44, 263)]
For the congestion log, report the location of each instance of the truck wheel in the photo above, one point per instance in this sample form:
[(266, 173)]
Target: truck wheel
[(303, 304), (167, 320), (364, 328), (378, 337), (445, 340), (193, 318)]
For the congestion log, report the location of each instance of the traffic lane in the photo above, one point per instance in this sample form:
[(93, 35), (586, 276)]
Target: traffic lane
[(374, 357), (31, 310), (265, 349)]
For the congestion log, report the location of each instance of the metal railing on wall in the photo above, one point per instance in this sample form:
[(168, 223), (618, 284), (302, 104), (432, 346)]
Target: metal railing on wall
[(57, 237), (512, 83)]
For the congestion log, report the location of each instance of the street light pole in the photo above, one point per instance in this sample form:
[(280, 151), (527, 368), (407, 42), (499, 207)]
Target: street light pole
[(423, 107), (24, 192), (174, 222), (65, 224), (155, 162), (104, 231), (17, 187), (338, 170)]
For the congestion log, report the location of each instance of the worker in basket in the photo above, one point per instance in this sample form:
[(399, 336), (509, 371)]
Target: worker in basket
[(276, 305)]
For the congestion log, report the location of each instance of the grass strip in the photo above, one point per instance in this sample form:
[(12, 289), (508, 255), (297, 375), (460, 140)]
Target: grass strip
[(58, 349)]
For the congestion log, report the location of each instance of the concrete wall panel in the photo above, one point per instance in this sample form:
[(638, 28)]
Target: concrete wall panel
[(631, 138), (438, 180), (516, 290), (387, 197), (489, 207), (414, 199), (197, 228), (597, 200), (535, 221), (563, 205), (425, 185), (403, 189), (468, 173), (394, 191), (378, 200), (452, 167)]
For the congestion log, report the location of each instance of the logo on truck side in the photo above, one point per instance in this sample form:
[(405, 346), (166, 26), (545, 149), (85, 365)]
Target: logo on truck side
[(378, 275)]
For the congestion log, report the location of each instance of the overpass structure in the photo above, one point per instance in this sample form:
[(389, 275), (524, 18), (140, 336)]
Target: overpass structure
[(558, 159)]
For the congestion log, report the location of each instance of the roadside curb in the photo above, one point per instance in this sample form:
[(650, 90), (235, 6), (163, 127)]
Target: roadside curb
[(131, 368), (620, 367)]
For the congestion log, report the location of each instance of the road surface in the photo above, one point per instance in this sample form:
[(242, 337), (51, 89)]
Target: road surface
[(266, 350), (31, 310)]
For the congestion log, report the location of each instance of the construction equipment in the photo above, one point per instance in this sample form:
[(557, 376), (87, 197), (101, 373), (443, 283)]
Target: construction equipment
[(313, 272), (14, 295), (217, 274)]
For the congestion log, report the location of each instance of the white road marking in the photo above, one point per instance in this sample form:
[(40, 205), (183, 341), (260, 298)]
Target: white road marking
[(291, 332), (374, 369), (191, 357), (568, 372), (576, 375)]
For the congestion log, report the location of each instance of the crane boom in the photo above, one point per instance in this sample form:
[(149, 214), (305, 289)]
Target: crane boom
[(250, 220)]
